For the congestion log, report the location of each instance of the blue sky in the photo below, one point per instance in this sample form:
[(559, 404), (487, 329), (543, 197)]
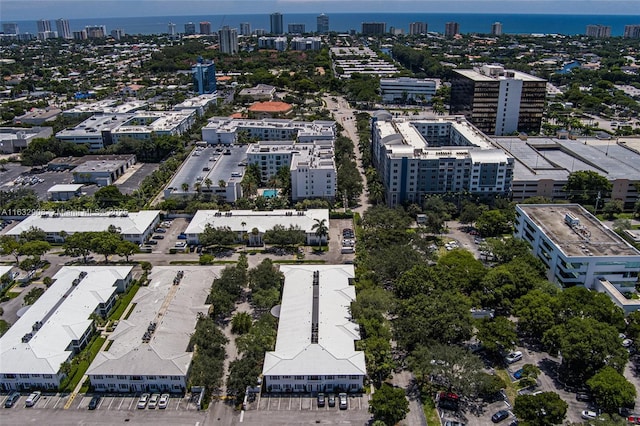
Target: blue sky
[(51, 9)]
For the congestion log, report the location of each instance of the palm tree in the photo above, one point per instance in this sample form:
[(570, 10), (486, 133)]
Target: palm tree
[(222, 183), (321, 229), (208, 183), (185, 187)]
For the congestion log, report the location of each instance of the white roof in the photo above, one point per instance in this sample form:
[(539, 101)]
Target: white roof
[(263, 220), (4, 269), (71, 222), (64, 310), (175, 309), (68, 187), (335, 351)]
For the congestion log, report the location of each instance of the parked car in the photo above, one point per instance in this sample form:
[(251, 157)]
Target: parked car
[(499, 416), (164, 400), (153, 401), (152, 242), (588, 415), (158, 237), (342, 398), (583, 397), (11, 399), (32, 399), (182, 236), (161, 230), (93, 404), (332, 400), (320, 399), (142, 402), (514, 357)]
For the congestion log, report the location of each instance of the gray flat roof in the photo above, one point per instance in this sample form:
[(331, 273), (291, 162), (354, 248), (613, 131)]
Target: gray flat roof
[(596, 238), (175, 309)]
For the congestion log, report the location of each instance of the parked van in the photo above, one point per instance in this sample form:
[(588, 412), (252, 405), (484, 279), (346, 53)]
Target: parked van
[(32, 399), (347, 250)]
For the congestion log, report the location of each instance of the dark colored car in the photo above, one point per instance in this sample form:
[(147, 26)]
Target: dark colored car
[(11, 399), (320, 400), (158, 237), (93, 404), (584, 397), (332, 400), (518, 374), (500, 416), (152, 242), (161, 230)]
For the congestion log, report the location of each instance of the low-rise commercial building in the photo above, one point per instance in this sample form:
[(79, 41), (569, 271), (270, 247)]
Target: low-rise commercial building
[(198, 103), (578, 249), (58, 325), (136, 227), (150, 348), (64, 192), (104, 107), (15, 139), (226, 131), (404, 90), (103, 171), (250, 225), (261, 92), (37, 116), (270, 109), (315, 347), (436, 156)]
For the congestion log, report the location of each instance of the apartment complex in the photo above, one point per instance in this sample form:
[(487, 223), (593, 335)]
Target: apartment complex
[(417, 28), (445, 155), (578, 249), (306, 43), (499, 101), (316, 337), (631, 31), (228, 40), (58, 325), (404, 90), (374, 28), (322, 24), (277, 43), (598, 31), (276, 23), (451, 29), (225, 130)]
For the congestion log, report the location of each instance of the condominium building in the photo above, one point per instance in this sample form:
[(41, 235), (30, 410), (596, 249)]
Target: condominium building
[(10, 28), (451, 29), (315, 346), (171, 29), (277, 43), (496, 28), (417, 28), (44, 26), (598, 31), (306, 43), (276, 21), (499, 101), (189, 28), (225, 130), (205, 27), (96, 31), (445, 155), (204, 77), (198, 103), (62, 25), (374, 28), (322, 24), (402, 90), (118, 33), (632, 31), (245, 28), (228, 40), (296, 28), (578, 249)]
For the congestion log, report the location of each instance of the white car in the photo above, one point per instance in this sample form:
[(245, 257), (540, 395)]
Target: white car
[(32, 399), (142, 402), (588, 415), (514, 357), (164, 400), (153, 401)]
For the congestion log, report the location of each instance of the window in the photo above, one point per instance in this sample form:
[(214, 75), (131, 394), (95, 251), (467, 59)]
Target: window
[(275, 386), (124, 386), (299, 386), (48, 376), (24, 376), (354, 377), (299, 377), (122, 377), (99, 377), (151, 377), (109, 376), (175, 378), (275, 377), (328, 377)]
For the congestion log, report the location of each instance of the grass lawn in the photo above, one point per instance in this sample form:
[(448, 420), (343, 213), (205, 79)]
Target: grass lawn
[(511, 389), (78, 369), (123, 302), (430, 412)]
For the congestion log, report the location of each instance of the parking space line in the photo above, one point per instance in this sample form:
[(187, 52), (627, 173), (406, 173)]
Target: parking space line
[(290, 403), (57, 402), (179, 401), (279, 400), (102, 402), (300, 403), (131, 403), (80, 403), (112, 399), (46, 402), (258, 405), (121, 402)]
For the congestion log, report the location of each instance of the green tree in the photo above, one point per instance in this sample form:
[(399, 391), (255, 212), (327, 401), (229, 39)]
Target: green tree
[(497, 335), (79, 244), (612, 208), (389, 404), (220, 236), (611, 390), (545, 409), (33, 234), (126, 249), (493, 223), (34, 248), (105, 243), (10, 246), (585, 186), (281, 236), (109, 196), (241, 323), (536, 312)]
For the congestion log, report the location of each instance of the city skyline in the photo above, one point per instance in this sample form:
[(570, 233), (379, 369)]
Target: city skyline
[(52, 9)]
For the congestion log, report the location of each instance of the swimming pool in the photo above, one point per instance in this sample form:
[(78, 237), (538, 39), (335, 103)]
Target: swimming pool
[(270, 193)]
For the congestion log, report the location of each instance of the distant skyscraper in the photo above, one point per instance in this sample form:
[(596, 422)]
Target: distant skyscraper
[(451, 29), (260, 31), (96, 31), (80, 35), (189, 28), (204, 77), (496, 28), (416, 28), (322, 24), (46, 35), (44, 26), (296, 29), (62, 25), (205, 27), (277, 26), (598, 31), (228, 39), (245, 28), (10, 28), (118, 33), (630, 31), (171, 29), (374, 28)]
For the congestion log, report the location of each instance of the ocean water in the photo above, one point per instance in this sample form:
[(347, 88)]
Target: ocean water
[(341, 22)]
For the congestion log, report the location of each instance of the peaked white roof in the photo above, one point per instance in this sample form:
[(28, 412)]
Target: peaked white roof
[(64, 310), (335, 352)]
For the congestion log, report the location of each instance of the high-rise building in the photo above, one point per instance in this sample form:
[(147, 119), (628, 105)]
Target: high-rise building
[(451, 29), (260, 32), (96, 31), (46, 35), (296, 29), (322, 24), (416, 28), (10, 28), (496, 28), (204, 77), (79, 35), (245, 28), (598, 31), (171, 30), (62, 25), (189, 28), (374, 28), (228, 40), (44, 26), (205, 27), (277, 25), (118, 33), (498, 101), (632, 31)]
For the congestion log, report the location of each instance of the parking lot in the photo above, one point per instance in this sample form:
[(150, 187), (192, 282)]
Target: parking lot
[(305, 402)]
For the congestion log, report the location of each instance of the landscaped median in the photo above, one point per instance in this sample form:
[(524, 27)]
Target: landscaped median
[(123, 302), (79, 365)]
